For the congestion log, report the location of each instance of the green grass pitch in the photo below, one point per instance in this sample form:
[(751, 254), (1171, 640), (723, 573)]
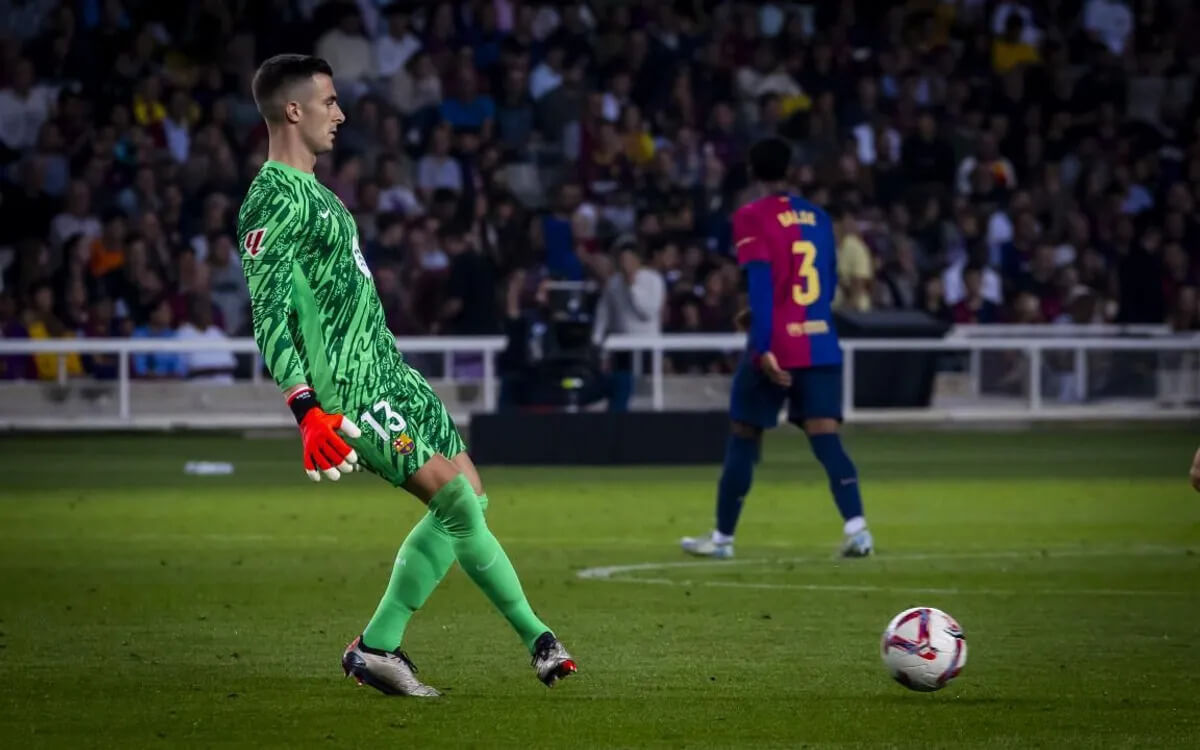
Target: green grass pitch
[(142, 607)]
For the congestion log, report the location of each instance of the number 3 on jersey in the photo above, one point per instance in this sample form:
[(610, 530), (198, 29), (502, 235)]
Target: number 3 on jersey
[(808, 289)]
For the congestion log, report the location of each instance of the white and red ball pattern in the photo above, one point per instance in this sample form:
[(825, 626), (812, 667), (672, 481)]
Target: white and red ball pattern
[(924, 648)]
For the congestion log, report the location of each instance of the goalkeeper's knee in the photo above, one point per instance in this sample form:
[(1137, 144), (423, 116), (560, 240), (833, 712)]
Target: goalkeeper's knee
[(457, 507)]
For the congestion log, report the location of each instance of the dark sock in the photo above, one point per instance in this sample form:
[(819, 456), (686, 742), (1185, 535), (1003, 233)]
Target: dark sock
[(740, 456), (843, 477)]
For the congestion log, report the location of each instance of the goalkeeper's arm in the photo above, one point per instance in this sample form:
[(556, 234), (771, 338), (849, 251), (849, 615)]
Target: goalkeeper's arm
[(267, 263)]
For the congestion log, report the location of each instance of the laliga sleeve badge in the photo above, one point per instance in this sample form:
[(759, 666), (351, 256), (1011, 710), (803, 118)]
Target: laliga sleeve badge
[(403, 444)]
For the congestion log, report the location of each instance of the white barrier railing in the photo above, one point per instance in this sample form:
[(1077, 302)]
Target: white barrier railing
[(658, 346), (1058, 330), (1033, 348)]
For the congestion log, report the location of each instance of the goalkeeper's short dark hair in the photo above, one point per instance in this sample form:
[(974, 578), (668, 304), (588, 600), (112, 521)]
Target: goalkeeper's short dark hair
[(279, 73), (769, 159)]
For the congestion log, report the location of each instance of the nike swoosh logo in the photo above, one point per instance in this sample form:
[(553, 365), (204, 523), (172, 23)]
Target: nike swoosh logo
[(495, 557), (325, 214)]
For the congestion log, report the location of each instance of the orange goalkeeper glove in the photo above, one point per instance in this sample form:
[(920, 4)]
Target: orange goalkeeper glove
[(325, 452)]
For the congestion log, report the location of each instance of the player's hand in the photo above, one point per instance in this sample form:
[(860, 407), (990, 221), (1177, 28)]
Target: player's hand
[(325, 452), (1195, 473), (742, 320), (775, 373)]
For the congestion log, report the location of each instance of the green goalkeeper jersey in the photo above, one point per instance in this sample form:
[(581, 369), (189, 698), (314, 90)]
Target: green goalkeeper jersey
[(317, 316)]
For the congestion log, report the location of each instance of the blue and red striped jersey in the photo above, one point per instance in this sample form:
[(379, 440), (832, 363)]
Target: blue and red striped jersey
[(794, 237)]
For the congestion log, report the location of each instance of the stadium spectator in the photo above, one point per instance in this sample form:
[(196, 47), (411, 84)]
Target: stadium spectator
[(76, 218), (469, 307), (855, 266), (548, 74), (395, 46), (13, 366), (209, 366), (438, 169), (43, 322), (348, 53), (974, 308), (101, 323), (466, 108), (107, 252), (632, 302), (228, 285), (24, 105), (1013, 48), (158, 365), (900, 282), (416, 89), (1108, 22), (928, 159)]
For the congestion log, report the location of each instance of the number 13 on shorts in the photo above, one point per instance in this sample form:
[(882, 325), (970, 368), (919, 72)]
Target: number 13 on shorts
[(391, 423)]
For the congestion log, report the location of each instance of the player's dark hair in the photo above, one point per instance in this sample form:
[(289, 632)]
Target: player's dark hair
[(279, 73), (769, 159)]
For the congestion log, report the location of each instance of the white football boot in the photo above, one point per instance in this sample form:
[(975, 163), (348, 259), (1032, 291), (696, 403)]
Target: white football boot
[(706, 546), (551, 660), (859, 544), (389, 672)]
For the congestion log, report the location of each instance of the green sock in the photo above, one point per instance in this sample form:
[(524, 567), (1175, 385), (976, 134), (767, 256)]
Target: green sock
[(459, 510), (423, 561)]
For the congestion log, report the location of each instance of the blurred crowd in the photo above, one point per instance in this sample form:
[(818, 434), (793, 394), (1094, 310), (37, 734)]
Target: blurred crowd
[(992, 161)]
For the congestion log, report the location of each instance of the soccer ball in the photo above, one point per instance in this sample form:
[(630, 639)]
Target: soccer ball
[(924, 648)]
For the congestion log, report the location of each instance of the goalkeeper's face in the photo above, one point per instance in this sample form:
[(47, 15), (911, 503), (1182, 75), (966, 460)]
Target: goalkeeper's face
[(320, 115)]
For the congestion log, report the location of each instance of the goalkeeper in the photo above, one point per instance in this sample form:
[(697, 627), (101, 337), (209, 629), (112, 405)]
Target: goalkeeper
[(320, 326)]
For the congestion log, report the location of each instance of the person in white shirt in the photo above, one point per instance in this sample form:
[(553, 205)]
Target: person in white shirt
[(228, 284), (438, 169), (548, 75), (77, 218), (416, 86), (1109, 22), (177, 127), (396, 45), (349, 53), (213, 365), (989, 157), (954, 286), (632, 302), (24, 106), (396, 195), (1030, 33), (618, 96)]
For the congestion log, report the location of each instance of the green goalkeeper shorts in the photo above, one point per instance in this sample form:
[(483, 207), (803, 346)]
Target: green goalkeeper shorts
[(403, 429)]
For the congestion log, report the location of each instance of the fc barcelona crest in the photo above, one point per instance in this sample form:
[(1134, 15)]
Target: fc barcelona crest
[(403, 444)]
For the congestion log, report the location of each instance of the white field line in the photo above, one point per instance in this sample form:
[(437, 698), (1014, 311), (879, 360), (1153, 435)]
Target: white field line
[(169, 537), (620, 573)]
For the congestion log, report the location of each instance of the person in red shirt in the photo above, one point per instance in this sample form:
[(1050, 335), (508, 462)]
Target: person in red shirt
[(974, 308)]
